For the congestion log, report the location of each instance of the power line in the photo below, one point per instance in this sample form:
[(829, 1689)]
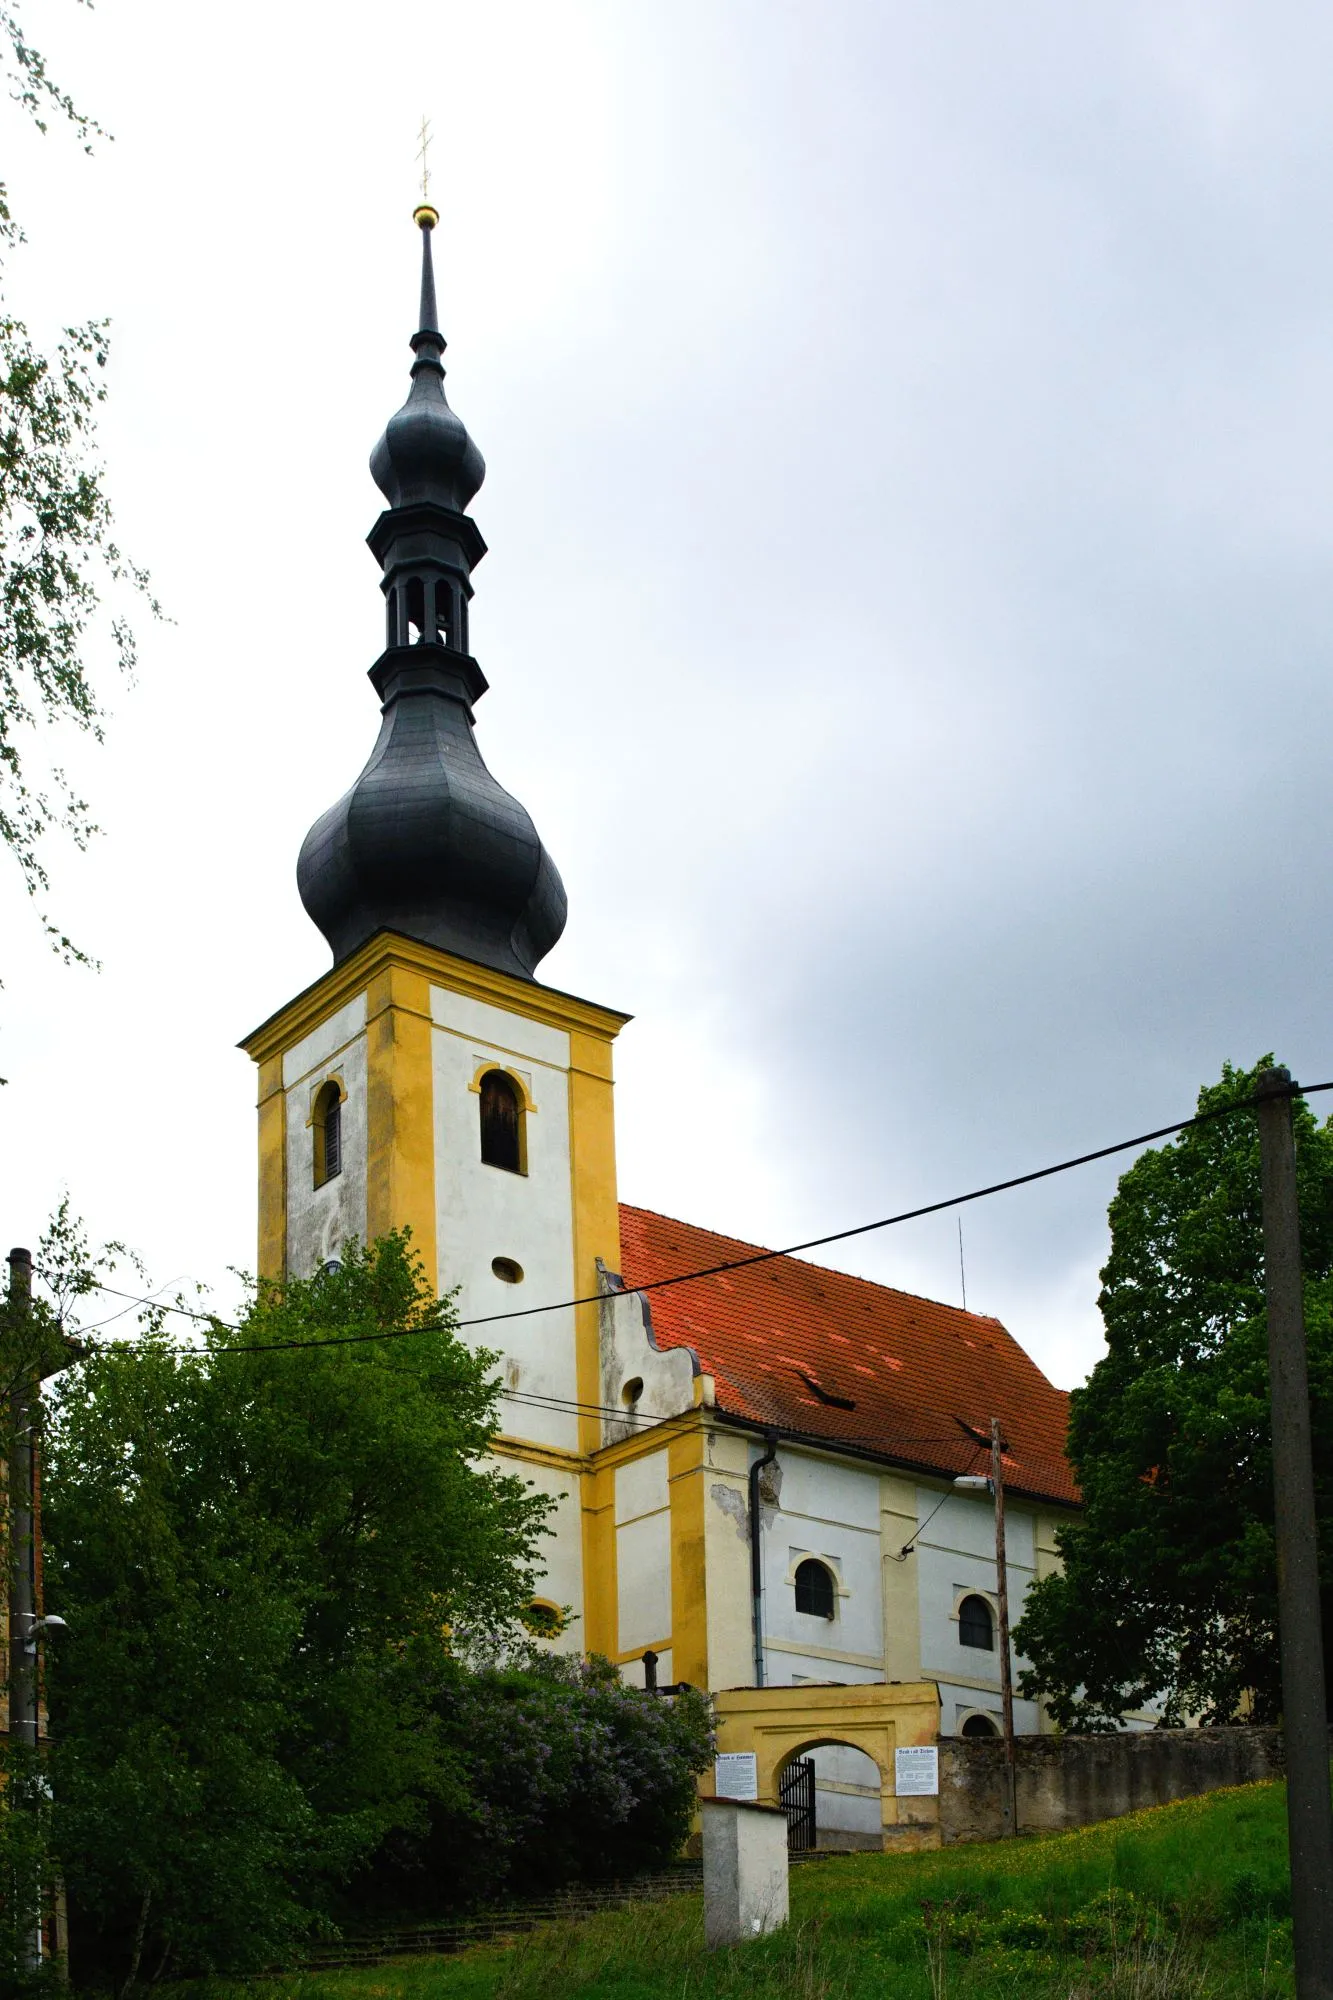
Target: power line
[(908, 1546), (733, 1263)]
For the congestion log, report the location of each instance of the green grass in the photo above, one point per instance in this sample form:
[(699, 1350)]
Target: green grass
[(1183, 1901)]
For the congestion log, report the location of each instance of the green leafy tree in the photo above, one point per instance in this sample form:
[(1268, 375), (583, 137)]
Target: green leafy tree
[(1169, 1589), (58, 553), (268, 1561)]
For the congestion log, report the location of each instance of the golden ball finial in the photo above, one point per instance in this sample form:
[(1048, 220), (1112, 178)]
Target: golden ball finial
[(425, 216)]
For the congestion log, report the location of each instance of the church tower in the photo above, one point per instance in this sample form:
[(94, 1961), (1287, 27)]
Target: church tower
[(427, 1079)]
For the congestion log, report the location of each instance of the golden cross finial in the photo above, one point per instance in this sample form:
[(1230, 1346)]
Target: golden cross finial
[(424, 156)]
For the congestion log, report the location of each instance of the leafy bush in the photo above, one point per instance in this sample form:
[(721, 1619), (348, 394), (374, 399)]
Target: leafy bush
[(564, 1774)]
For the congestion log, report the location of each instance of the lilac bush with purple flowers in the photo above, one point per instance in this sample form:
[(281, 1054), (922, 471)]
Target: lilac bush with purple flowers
[(563, 1774)]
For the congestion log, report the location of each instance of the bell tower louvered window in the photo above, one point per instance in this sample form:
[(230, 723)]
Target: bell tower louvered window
[(501, 1123), (328, 1133)]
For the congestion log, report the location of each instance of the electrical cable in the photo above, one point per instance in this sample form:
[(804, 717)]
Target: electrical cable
[(908, 1548), (737, 1263)]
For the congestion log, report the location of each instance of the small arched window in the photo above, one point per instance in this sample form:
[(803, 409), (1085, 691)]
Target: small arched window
[(501, 1123), (444, 612), (814, 1588), (976, 1625), (328, 1129), (979, 1725), (416, 610)]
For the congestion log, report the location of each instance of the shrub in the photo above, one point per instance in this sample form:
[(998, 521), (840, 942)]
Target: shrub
[(564, 1774)]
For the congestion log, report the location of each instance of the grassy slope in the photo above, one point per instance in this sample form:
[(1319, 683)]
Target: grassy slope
[(1215, 1865)]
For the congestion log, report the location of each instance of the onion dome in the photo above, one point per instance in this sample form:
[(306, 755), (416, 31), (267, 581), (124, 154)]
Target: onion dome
[(426, 843), (425, 452)]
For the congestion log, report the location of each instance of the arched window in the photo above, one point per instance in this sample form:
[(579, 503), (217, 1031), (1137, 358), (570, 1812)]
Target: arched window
[(416, 610), (979, 1725), (976, 1625), (328, 1129), (814, 1588), (501, 1123), (444, 612)]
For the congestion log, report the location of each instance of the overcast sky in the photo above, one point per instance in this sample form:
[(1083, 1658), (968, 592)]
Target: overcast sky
[(909, 603)]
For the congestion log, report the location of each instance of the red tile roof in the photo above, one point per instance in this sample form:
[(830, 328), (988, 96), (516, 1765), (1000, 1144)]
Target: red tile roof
[(829, 1356)]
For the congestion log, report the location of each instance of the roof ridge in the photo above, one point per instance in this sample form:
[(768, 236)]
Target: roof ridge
[(831, 1270)]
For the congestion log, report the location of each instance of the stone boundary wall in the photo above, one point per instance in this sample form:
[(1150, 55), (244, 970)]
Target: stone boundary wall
[(1068, 1781)]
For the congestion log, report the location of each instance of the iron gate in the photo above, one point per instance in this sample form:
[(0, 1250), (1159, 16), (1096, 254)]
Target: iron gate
[(796, 1795)]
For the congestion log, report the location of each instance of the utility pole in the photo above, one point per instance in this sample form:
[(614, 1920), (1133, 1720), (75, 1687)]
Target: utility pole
[(1002, 1593), (22, 1546), (1300, 1637), (22, 1541)]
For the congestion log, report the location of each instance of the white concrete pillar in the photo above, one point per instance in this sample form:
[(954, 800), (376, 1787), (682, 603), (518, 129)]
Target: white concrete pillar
[(745, 1870)]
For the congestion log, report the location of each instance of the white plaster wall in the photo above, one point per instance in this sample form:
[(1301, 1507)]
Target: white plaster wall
[(629, 1356), (484, 1212), (643, 1553), (956, 1704), (955, 1554), (561, 1552), (848, 1795), (323, 1042), (321, 1220), (727, 1559), (830, 1511)]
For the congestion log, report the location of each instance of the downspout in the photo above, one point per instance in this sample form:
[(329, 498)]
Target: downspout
[(756, 1562)]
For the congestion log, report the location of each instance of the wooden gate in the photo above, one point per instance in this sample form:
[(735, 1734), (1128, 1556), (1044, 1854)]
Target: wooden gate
[(796, 1795)]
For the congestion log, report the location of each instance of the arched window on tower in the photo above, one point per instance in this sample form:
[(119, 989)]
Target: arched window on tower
[(979, 1724), (327, 1123), (976, 1624), (501, 1123), (416, 611), (444, 612), (815, 1591)]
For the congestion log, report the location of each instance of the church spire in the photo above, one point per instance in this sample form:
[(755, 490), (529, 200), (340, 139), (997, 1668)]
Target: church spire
[(426, 842)]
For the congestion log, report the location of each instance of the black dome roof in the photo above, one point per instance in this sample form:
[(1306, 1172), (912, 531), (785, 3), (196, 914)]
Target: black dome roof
[(426, 842)]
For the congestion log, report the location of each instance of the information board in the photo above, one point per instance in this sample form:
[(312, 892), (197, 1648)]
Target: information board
[(916, 1771), (736, 1774)]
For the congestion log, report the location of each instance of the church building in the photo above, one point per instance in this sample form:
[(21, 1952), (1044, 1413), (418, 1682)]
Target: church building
[(753, 1470)]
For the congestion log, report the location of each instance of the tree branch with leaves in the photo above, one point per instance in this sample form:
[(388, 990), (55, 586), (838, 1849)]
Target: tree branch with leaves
[(61, 568)]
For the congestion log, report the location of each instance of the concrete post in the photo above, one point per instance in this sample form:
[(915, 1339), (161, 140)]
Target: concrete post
[(1304, 1709), (745, 1870)]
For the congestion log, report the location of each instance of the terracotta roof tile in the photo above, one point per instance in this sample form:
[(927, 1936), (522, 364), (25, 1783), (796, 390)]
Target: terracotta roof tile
[(816, 1351)]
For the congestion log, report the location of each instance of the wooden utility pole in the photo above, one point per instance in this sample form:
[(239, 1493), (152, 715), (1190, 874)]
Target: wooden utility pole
[(22, 1540), (1300, 1636), (1002, 1594), (22, 1647)]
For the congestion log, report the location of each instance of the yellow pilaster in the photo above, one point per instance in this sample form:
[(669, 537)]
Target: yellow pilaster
[(902, 1608), (592, 1168), (601, 1608), (272, 1171), (400, 1110), (689, 1592)]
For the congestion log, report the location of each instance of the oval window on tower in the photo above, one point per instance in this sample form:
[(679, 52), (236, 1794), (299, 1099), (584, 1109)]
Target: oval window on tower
[(501, 1123)]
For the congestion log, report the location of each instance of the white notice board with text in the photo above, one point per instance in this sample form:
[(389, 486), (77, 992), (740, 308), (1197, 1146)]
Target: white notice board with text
[(736, 1774), (916, 1771)]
